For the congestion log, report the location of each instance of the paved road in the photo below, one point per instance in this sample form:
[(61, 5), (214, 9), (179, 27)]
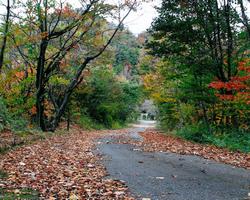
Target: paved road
[(145, 124), (170, 176)]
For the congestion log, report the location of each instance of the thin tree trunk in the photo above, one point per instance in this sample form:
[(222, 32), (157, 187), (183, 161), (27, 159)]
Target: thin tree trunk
[(6, 30), (68, 119), (245, 19), (229, 40)]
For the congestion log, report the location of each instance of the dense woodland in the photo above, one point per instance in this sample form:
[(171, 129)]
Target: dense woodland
[(200, 74), (62, 63), (59, 64)]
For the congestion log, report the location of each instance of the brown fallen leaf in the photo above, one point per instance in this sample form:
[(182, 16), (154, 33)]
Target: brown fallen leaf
[(55, 168)]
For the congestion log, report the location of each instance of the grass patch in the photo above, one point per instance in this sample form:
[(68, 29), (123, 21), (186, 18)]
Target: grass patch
[(19, 194), (233, 139), (3, 174), (87, 123)]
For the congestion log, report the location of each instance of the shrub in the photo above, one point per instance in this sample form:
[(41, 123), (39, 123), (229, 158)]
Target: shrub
[(194, 132), (233, 139), (8, 120), (5, 119), (87, 123)]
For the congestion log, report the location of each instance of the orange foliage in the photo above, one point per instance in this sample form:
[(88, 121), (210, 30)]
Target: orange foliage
[(20, 75), (33, 110), (67, 12)]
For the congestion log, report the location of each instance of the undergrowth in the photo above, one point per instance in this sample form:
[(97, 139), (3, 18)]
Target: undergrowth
[(233, 139)]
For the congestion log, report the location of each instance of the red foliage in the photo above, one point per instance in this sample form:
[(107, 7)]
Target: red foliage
[(217, 85), (236, 87)]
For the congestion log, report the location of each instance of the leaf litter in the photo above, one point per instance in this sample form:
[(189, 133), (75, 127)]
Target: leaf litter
[(61, 167)]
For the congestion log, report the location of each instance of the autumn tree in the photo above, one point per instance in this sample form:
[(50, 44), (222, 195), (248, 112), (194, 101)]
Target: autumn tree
[(199, 42), (58, 33)]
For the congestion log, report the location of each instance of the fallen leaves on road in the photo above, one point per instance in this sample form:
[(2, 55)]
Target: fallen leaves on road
[(157, 141), (64, 166), (61, 167)]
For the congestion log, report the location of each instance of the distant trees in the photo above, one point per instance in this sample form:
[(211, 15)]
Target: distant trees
[(106, 99), (126, 53)]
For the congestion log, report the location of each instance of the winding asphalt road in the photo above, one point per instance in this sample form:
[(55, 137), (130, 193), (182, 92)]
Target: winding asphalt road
[(170, 176)]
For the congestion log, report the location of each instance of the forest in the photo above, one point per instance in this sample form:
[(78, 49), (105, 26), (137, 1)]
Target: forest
[(59, 63), (72, 73), (201, 75)]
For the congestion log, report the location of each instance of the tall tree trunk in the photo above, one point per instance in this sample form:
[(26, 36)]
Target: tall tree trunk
[(219, 38), (40, 86), (40, 76), (6, 29)]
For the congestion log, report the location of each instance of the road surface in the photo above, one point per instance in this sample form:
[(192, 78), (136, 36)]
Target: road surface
[(170, 176)]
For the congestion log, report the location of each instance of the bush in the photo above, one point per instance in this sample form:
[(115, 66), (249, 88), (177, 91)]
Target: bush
[(174, 115), (9, 121), (87, 123), (194, 132), (5, 119), (233, 139)]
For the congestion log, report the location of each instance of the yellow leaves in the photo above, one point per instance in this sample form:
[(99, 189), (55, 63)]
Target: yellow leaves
[(73, 197), (7, 81), (48, 108), (160, 98), (98, 40), (153, 83), (57, 80)]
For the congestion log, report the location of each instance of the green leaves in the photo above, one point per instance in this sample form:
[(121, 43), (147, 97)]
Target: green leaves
[(4, 115), (197, 43), (8, 120), (106, 99)]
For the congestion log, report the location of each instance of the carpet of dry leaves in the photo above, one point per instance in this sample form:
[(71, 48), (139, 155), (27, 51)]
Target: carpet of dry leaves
[(155, 141), (65, 167), (61, 167)]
